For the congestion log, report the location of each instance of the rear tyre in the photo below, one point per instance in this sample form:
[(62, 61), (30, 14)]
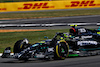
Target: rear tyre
[(61, 50)]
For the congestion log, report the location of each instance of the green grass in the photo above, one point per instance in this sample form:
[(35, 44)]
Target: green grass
[(8, 39), (48, 14)]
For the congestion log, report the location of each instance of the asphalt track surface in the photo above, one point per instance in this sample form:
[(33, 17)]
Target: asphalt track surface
[(93, 19), (72, 19), (91, 61)]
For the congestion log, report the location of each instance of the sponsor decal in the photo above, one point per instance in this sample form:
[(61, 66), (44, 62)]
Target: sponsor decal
[(83, 37), (82, 30), (35, 6), (82, 3), (3, 9), (86, 37), (83, 43), (45, 5)]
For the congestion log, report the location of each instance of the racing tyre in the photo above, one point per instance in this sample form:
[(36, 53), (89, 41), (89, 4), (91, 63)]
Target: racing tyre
[(19, 46), (61, 50)]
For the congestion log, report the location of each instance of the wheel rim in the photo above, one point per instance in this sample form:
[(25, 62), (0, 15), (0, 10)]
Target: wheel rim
[(62, 51)]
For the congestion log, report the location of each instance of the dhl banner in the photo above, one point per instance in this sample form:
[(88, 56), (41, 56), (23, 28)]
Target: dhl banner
[(48, 5)]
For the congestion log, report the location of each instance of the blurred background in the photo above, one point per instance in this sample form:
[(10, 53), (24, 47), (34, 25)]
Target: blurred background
[(27, 0)]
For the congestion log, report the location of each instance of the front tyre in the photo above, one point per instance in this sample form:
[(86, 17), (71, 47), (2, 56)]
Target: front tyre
[(20, 45)]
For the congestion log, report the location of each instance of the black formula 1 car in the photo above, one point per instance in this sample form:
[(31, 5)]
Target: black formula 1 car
[(60, 46), (55, 48)]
